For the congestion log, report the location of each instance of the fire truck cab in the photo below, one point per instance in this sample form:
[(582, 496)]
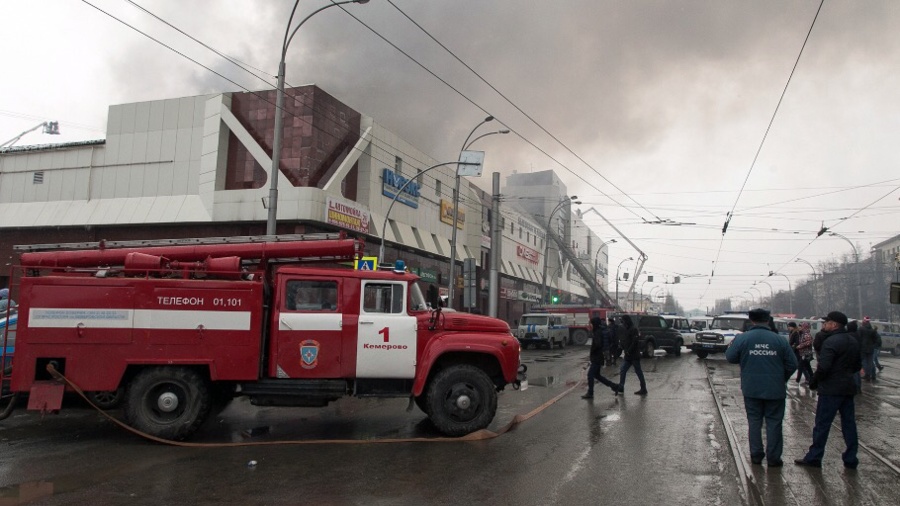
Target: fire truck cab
[(180, 329)]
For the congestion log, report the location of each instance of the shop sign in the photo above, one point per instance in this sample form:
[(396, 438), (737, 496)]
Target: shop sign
[(527, 254), (391, 183), (447, 214), (349, 215), (509, 293), (529, 297), (427, 276), (486, 241)]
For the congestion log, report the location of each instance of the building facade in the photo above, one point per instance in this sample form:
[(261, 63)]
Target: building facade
[(199, 167)]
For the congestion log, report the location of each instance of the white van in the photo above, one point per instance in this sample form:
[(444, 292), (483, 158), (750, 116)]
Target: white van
[(542, 329)]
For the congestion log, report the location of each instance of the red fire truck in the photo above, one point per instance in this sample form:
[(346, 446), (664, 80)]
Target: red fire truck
[(577, 317), (176, 326)]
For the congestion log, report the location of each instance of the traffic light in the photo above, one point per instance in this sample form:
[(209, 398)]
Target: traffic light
[(554, 299)]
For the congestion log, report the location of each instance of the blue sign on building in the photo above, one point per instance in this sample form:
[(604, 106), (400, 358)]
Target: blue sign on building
[(392, 182)]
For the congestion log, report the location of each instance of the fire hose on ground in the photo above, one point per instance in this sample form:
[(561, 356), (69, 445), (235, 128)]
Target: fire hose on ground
[(479, 435)]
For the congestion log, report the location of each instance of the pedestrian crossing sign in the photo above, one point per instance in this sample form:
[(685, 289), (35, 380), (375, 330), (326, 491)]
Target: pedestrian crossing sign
[(366, 264)]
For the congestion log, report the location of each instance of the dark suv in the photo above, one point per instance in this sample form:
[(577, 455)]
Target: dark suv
[(655, 333)]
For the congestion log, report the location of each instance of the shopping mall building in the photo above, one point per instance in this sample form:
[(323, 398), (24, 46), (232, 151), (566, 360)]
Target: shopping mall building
[(198, 167)]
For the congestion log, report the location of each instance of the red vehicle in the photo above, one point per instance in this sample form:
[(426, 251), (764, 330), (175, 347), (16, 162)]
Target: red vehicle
[(174, 329), (578, 318)]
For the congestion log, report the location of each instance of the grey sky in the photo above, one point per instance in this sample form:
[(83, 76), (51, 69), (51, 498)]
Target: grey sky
[(669, 100)]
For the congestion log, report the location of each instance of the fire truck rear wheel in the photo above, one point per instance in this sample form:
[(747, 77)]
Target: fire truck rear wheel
[(461, 399), (167, 402), (580, 337)]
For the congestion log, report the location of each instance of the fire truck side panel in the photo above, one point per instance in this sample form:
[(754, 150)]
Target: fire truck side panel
[(86, 322), (387, 338)]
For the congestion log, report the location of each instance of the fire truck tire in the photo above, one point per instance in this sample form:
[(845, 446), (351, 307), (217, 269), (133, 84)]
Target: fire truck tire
[(580, 337), (461, 400), (167, 402), (107, 400)]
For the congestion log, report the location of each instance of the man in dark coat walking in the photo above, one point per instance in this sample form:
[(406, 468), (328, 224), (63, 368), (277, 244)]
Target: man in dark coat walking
[(597, 357), (767, 363), (833, 378), (629, 340)]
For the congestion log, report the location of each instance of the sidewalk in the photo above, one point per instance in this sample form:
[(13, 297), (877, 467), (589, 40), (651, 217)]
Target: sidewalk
[(877, 481)]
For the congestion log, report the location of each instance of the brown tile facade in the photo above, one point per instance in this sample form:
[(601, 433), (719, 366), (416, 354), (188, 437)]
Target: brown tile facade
[(319, 132)]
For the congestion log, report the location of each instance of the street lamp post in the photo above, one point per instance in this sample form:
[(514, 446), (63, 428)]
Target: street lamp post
[(771, 294), (559, 206), (815, 283), (858, 275), (452, 282), (279, 110), (758, 292), (617, 277), (451, 286), (790, 290), (597, 257)]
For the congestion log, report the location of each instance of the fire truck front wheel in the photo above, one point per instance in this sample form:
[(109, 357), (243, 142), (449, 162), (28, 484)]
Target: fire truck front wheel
[(461, 399), (167, 402)]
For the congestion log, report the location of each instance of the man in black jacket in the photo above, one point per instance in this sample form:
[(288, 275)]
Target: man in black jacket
[(598, 327), (629, 340), (838, 360)]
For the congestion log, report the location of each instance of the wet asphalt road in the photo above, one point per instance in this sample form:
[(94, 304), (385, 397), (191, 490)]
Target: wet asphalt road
[(670, 447)]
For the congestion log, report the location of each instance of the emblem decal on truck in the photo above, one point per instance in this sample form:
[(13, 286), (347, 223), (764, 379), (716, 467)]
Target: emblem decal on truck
[(309, 354)]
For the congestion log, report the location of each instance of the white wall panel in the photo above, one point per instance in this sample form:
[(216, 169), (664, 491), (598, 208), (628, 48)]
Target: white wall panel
[(84, 212), (186, 112), (193, 187), (196, 143), (107, 184), (54, 179), (112, 149), (157, 114), (154, 146), (80, 184), (170, 119), (69, 184), (180, 178), (57, 160), (183, 144), (170, 208), (164, 183), (71, 156), (167, 151), (126, 148), (142, 117), (136, 174), (139, 148), (150, 178), (114, 121), (128, 115)]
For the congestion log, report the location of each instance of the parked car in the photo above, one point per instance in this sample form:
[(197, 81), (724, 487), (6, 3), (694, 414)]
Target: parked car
[(722, 331), (655, 333), (683, 325)]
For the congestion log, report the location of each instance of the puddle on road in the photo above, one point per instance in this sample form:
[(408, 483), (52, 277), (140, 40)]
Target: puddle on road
[(611, 417)]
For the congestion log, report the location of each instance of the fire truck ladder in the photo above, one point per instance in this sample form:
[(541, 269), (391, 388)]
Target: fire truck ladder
[(596, 291)]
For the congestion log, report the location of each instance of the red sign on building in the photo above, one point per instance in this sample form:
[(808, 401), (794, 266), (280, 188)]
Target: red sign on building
[(527, 254)]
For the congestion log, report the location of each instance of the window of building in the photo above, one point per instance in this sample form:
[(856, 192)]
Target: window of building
[(419, 177), (398, 165), (437, 187)]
